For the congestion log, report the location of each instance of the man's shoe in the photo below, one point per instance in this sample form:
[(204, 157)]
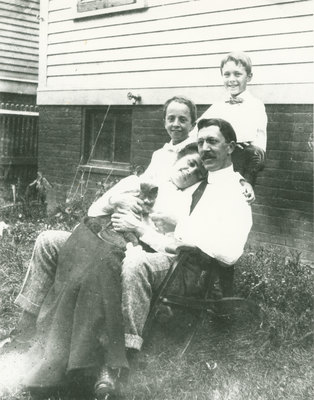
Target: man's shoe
[(106, 383)]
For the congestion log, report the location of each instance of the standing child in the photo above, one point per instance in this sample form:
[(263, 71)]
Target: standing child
[(179, 115), (244, 112)]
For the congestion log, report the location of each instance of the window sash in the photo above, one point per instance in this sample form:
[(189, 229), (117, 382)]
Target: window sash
[(113, 139)]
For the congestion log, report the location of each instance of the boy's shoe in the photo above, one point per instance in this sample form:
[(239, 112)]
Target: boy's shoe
[(106, 383)]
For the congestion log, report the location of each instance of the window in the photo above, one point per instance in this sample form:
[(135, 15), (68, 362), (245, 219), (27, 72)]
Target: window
[(86, 8), (108, 137)]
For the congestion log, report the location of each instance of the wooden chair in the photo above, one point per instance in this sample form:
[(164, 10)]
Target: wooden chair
[(203, 302)]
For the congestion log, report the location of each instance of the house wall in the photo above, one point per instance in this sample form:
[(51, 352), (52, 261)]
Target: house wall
[(283, 211), (175, 46), (19, 31)]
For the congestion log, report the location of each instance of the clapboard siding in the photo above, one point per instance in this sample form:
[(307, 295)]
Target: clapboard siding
[(176, 45), (30, 58), (274, 57), (19, 35), (29, 50), (20, 43), (31, 64), (19, 39), (157, 10), (193, 77), (178, 21), (25, 4), (20, 31), (256, 46), (188, 34)]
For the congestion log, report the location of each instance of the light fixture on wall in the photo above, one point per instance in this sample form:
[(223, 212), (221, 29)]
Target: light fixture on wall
[(135, 99)]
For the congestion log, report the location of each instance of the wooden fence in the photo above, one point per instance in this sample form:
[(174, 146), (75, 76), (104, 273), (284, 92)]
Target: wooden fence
[(18, 143)]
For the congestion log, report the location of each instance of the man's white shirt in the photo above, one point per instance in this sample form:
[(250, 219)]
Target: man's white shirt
[(221, 221), (219, 224)]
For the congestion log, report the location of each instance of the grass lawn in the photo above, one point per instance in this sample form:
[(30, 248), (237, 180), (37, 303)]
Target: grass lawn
[(226, 361), (245, 357)]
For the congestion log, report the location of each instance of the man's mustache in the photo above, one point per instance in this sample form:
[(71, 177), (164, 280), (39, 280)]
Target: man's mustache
[(207, 156)]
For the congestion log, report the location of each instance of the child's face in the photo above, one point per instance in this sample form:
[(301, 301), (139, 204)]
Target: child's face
[(178, 121), (235, 78)]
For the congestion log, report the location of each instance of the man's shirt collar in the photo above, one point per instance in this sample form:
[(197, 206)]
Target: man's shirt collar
[(220, 175)]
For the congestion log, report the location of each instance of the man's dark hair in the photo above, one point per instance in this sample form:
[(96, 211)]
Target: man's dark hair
[(224, 126), (183, 100)]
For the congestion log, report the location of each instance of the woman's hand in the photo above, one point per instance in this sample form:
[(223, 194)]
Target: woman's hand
[(164, 223), (127, 201), (126, 221)]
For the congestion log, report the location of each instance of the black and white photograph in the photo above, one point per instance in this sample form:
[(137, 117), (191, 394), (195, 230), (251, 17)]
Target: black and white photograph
[(156, 200)]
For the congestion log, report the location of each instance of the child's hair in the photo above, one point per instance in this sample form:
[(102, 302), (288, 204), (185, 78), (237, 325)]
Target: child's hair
[(183, 100), (238, 57)]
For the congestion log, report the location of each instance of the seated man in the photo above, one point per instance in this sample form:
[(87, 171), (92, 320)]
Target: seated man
[(218, 224)]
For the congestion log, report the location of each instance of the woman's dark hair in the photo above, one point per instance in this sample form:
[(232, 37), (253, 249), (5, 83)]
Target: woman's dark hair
[(183, 100), (188, 149), (192, 148), (224, 126)]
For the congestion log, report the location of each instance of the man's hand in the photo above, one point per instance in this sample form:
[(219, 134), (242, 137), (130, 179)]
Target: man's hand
[(127, 221), (127, 201), (163, 222), (248, 191), (177, 245)]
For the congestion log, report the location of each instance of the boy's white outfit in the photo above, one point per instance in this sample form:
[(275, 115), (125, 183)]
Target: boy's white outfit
[(247, 117)]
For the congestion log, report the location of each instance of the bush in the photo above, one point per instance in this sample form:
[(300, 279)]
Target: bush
[(283, 287)]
